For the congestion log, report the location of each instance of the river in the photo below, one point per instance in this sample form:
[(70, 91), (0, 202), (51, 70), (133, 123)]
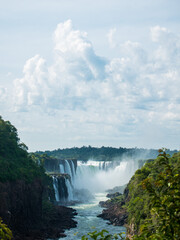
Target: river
[(88, 221)]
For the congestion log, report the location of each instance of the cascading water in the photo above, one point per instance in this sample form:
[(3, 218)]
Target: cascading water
[(99, 176), (61, 168), (70, 190), (94, 176), (73, 170), (55, 185), (68, 169)]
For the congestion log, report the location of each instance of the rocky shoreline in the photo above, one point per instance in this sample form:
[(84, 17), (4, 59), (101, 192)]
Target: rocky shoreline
[(114, 211)]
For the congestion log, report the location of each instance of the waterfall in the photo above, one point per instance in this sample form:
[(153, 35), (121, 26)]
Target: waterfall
[(55, 185), (93, 176), (68, 169), (63, 181), (73, 170), (98, 176), (61, 168), (70, 190)]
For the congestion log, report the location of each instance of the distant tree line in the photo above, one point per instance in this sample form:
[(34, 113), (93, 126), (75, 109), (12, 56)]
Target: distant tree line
[(103, 153)]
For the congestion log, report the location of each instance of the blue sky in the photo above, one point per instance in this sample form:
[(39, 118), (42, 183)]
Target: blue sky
[(76, 73)]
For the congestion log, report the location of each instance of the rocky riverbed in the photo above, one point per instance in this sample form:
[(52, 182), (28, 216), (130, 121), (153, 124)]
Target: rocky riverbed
[(114, 211)]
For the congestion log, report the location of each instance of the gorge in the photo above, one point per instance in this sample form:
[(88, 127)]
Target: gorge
[(73, 177), (46, 197), (83, 184)]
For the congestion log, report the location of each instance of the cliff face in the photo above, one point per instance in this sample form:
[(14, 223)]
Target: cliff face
[(26, 191), (52, 164), (21, 209), (21, 204)]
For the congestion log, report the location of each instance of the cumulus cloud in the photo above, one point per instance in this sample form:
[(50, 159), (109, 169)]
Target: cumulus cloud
[(105, 96), (67, 81), (168, 49), (33, 88), (75, 54), (159, 33)]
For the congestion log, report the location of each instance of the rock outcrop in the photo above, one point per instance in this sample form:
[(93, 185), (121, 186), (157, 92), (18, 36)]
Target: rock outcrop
[(116, 215), (22, 210), (114, 211)]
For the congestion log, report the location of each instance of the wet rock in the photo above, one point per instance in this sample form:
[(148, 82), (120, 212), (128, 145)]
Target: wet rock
[(112, 195), (116, 215)]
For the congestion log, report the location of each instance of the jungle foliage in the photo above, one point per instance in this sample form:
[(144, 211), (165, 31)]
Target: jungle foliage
[(153, 200), (103, 235), (15, 162)]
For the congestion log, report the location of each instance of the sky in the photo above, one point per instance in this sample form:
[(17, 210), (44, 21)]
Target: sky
[(99, 73)]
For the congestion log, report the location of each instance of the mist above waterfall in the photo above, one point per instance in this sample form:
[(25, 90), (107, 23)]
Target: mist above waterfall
[(76, 181), (98, 176)]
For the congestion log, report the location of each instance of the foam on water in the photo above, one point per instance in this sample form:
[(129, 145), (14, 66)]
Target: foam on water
[(95, 178), (88, 221)]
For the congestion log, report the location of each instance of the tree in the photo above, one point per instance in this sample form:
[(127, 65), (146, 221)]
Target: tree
[(164, 194)]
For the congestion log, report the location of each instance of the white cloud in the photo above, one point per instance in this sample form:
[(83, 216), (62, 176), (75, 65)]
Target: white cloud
[(3, 93), (98, 98), (168, 49), (33, 88), (159, 33), (75, 54), (110, 37)]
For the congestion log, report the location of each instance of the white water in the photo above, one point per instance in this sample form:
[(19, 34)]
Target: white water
[(70, 190), (68, 169), (97, 178), (88, 221), (55, 185), (61, 168), (73, 171), (94, 176)]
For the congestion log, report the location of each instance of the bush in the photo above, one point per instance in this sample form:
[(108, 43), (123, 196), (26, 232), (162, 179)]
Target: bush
[(102, 235)]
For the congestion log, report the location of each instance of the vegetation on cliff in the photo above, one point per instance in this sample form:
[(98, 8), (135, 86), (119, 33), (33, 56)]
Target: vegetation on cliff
[(15, 163), (26, 192), (152, 199)]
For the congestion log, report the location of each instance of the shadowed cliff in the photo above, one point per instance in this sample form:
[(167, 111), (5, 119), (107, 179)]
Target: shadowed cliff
[(26, 192)]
